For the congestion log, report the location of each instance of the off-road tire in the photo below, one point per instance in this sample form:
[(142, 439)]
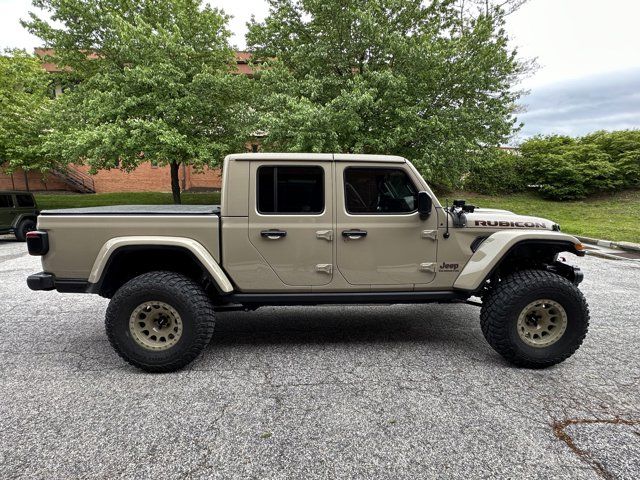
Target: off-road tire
[(502, 306), (25, 226), (178, 291)]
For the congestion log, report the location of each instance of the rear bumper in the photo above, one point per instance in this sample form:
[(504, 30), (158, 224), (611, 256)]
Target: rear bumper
[(48, 281), (41, 281)]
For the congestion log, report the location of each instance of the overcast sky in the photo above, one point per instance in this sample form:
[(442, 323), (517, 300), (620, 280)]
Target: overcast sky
[(588, 53)]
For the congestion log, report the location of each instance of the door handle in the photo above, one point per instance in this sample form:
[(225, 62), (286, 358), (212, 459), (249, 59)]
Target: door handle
[(273, 234), (354, 234)]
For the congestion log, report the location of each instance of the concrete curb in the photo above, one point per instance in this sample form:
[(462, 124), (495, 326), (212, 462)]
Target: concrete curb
[(628, 246), (607, 256)]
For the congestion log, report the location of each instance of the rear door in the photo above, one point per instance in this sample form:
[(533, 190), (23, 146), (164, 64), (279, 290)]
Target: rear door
[(6, 210), (383, 240), (24, 203), (291, 219)]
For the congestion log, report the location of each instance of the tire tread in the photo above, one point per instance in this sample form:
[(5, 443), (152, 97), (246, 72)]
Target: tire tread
[(495, 314), (179, 285)]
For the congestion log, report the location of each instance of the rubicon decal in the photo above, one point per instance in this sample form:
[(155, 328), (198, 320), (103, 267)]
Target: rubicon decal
[(504, 223)]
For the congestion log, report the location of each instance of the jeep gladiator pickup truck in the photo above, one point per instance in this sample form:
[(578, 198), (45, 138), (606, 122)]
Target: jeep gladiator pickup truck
[(310, 229)]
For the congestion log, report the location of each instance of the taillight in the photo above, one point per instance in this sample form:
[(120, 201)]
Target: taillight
[(38, 243)]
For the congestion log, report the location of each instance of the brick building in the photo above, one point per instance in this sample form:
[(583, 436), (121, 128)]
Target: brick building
[(145, 178)]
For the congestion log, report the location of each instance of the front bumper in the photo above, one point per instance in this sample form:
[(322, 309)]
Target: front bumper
[(570, 272)]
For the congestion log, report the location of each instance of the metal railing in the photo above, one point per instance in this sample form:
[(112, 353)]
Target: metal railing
[(77, 179)]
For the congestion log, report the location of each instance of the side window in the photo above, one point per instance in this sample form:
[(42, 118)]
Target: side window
[(5, 201), (379, 190), (25, 201), (290, 190)]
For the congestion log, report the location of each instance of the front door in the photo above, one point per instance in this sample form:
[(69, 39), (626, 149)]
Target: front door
[(382, 239), (291, 219), (6, 211)]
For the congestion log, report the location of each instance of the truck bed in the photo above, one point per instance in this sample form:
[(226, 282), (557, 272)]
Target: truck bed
[(139, 210), (76, 235)]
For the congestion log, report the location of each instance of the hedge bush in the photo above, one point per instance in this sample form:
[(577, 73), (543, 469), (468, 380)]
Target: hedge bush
[(561, 167), (499, 172)]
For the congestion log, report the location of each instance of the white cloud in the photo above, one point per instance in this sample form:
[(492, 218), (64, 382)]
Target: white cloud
[(608, 101), (576, 38), (241, 11), (12, 35)]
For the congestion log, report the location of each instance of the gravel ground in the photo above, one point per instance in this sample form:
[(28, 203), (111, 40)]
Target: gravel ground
[(358, 392)]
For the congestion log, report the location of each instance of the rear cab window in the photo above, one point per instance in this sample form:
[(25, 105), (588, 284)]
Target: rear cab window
[(25, 201), (292, 190), (372, 190)]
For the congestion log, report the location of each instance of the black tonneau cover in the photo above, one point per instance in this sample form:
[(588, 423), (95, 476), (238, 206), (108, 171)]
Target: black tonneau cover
[(139, 210)]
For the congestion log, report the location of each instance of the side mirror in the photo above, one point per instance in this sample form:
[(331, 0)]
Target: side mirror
[(424, 205)]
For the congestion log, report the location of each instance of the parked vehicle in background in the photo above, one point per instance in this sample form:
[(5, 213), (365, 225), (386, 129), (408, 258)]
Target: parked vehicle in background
[(313, 229), (18, 213)]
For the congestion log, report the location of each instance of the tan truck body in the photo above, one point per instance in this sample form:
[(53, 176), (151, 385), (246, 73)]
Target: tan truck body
[(401, 252), (299, 229)]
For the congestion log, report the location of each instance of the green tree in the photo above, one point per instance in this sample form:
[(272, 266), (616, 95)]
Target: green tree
[(157, 84), (24, 103), (386, 76)]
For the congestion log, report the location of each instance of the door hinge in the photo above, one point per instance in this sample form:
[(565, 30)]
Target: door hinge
[(325, 234), (430, 234), (324, 268), (428, 267)]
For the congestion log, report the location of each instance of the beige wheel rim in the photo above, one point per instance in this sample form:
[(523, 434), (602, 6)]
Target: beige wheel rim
[(542, 323), (155, 325)]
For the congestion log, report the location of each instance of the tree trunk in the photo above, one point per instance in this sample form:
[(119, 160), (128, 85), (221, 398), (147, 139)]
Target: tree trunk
[(175, 182)]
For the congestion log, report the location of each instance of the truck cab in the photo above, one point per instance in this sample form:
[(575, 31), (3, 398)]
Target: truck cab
[(312, 229), (323, 223)]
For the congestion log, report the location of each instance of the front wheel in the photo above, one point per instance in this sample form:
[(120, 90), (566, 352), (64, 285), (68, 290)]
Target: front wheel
[(535, 318), (160, 321)]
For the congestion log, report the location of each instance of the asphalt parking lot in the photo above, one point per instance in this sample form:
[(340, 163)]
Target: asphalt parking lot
[(328, 392)]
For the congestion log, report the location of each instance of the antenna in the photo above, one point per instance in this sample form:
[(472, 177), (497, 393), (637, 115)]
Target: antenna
[(446, 219)]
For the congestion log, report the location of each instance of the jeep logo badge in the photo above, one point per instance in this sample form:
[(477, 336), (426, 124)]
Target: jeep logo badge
[(448, 267)]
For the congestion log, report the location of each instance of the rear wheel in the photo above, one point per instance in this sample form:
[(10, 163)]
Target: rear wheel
[(25, 226), (160, 321), (535, 318)]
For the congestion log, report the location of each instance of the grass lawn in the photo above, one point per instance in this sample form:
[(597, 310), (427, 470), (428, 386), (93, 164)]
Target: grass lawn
[(612, 217)]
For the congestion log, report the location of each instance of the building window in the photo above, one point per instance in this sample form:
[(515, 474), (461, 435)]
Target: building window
[(290, 190), (379, 190)]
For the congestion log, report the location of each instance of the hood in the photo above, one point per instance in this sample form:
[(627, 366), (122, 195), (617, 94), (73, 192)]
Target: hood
[(494, 219)]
